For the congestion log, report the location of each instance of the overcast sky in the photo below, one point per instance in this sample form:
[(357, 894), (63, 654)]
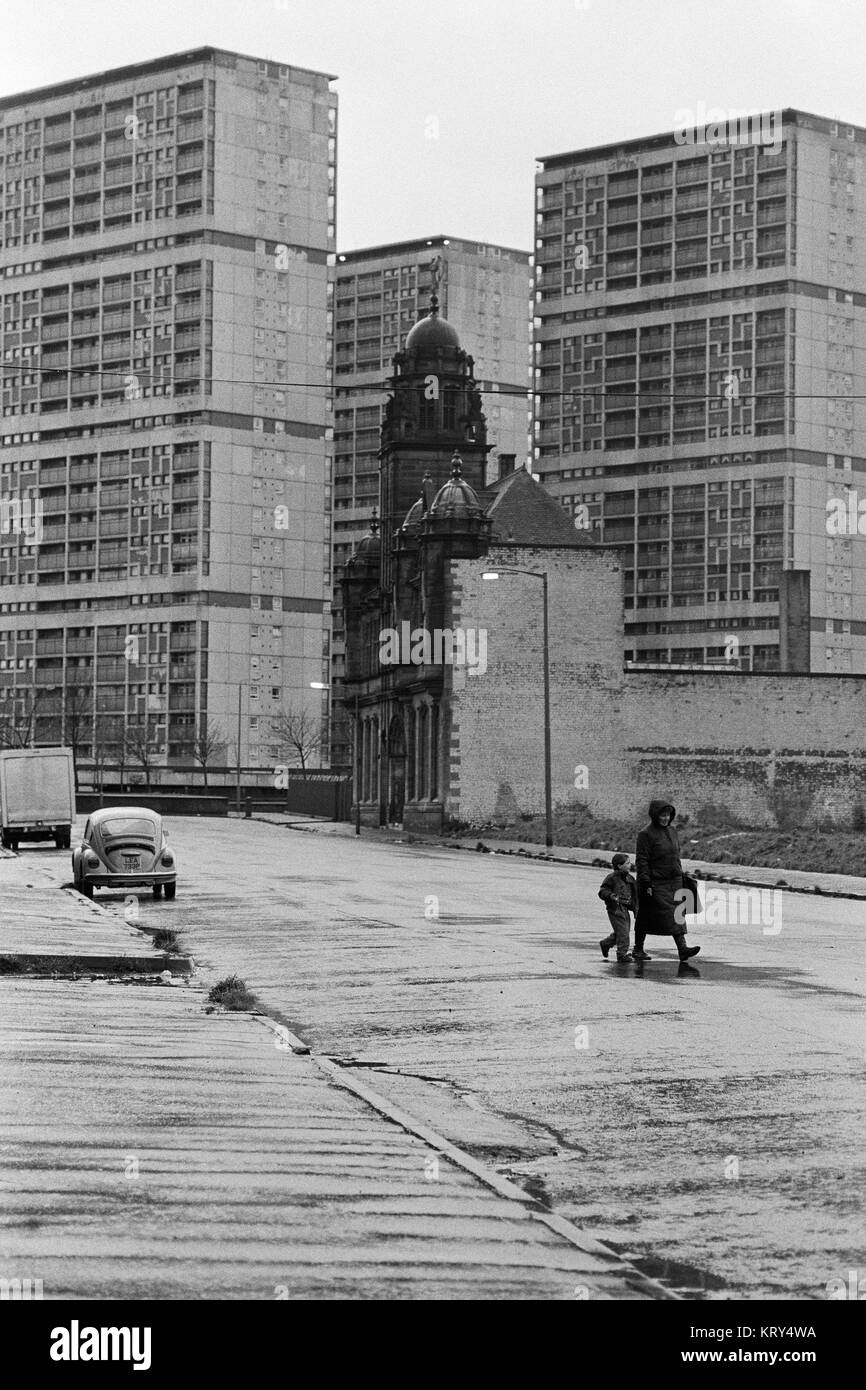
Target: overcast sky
[(445, 105)]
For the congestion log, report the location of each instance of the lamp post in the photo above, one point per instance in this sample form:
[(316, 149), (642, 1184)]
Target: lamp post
[(548, 796), (238, 787)]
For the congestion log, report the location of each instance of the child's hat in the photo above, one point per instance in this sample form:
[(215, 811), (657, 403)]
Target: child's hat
[(619, 859)]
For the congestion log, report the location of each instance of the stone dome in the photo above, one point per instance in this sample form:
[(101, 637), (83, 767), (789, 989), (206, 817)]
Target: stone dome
[(456, 498), (415, 515), (432, 333), (368, 550)]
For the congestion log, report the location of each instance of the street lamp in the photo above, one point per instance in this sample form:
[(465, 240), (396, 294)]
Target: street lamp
[(238, 785), (326, 742), (548, 798)]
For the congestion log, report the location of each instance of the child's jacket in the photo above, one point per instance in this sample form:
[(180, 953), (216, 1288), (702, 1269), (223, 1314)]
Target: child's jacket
[(618, 893)]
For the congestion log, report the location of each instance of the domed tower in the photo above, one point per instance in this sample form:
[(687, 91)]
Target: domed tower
[(455, 527), (434, 409)]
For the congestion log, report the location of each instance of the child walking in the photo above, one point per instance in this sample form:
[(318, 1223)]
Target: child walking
[(619, 895)]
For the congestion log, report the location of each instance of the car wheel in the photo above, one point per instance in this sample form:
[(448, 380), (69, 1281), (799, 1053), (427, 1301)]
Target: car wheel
[(157, 889), (170, 890), (85, 889), (13, 843), (59, 841)]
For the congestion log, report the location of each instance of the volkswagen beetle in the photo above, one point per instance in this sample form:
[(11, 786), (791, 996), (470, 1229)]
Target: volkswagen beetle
[(124, 847)]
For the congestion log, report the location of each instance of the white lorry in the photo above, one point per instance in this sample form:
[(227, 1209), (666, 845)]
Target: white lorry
[(37, 795)]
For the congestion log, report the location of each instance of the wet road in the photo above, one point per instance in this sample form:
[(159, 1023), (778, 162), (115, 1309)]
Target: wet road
[(709, 1124)]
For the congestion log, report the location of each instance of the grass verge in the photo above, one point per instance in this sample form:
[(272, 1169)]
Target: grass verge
[(716, 838)]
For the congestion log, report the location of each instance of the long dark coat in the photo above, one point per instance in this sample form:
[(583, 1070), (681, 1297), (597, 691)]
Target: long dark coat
[(658, 866)]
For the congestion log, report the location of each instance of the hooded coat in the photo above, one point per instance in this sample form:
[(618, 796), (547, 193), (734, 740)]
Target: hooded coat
[(658, 866)]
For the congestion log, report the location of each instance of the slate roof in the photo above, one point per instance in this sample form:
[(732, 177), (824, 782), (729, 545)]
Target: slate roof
[(523, 511)]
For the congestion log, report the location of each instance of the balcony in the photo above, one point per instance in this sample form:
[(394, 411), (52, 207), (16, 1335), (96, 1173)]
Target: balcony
[(653, 180), (58, 190), (772, 214), (117, 174), (695, 199), (85, 384), (54, 388), (113, 555), (190, 161), (56, 217), (627, 213), (656, 207), (55, 162)]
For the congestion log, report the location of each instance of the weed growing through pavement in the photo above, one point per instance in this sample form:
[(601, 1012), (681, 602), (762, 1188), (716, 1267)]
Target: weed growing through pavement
[(166, 940), (232, 993)]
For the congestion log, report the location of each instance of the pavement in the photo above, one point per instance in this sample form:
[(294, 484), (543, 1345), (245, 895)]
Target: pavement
[(156, 1147)]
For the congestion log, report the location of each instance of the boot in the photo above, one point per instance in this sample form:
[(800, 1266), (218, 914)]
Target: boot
[(685, 952)]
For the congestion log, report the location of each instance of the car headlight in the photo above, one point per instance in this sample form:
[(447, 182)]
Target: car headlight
[(167, 858), (91, 859)]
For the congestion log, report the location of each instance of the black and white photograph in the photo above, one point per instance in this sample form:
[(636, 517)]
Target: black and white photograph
[(432, 672)]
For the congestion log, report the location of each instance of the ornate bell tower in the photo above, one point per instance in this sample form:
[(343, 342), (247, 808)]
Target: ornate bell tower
[(434, 412)]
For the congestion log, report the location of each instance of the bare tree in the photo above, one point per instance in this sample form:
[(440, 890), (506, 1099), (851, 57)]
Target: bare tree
[(207, 745), (299, 732), (108, 745), (143, 745), (77, 719), (17, 715)]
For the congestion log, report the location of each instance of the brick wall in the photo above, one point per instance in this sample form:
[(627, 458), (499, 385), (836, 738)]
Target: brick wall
[(771, 749)]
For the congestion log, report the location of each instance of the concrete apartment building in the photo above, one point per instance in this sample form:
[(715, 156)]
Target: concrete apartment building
[(381, 293), (167, 230), (700, 377)]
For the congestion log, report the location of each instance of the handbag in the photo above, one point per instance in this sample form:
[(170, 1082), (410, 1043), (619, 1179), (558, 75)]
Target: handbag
[(692, 887)]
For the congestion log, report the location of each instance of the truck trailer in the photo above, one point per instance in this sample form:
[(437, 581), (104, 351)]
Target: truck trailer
[(37, 795)]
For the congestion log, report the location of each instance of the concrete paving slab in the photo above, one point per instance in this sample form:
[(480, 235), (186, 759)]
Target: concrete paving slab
[(153, 1151)]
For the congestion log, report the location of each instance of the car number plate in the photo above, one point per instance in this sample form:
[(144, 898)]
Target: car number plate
[(131, 861)]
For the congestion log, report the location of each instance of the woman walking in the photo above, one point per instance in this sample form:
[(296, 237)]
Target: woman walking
[(659, 871)]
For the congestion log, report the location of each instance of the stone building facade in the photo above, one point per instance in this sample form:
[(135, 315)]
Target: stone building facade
[(457, 734)]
